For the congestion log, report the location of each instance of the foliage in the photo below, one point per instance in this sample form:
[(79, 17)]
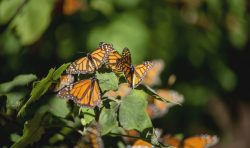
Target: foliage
[(43, 85), (137, 102), (204, 44), (130, 111)]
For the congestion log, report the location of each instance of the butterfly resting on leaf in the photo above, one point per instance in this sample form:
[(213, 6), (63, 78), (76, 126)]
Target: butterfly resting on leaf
[(84, 93)]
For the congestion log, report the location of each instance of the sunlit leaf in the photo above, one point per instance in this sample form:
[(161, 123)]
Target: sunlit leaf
[(104, 7), (14, 99), (89, 116), (132, 112), (43, 85), (58, 107), (8, 9), (15, 137), (108, 118), (40, 88), (59, 71), (107, 81), (32, 21), (32, 132), (20, 80)]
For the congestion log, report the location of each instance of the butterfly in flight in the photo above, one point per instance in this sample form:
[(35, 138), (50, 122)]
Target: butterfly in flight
[(202, 141), (133, 75), (64, 80), (91, 62), (85, 93)]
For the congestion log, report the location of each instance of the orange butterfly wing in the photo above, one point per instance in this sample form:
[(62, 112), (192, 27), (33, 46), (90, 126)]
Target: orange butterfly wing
[(64, 81), (91, 137), (140, 71), (125, 61), (126, 56), (94, 134), (134, 75), (141, 144), (113, 59), (153, 76), (91, 62), (84, 93), (203, 141), (171, 141)]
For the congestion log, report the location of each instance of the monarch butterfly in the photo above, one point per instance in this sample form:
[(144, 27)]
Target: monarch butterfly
[(113, 59), (64, 81), (202, 141), (153, 76), (134, 75), (91, 137), (91, 62), (141, 144), (84, 93)]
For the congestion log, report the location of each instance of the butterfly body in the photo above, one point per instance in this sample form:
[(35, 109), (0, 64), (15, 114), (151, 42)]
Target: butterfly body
[(84, 93)]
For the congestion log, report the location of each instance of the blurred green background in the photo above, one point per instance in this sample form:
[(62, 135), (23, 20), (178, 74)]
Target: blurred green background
[(204, 43)]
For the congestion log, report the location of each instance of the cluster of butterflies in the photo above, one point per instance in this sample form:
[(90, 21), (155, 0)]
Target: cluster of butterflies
[(86, 92), (92, 139), (199, 141)]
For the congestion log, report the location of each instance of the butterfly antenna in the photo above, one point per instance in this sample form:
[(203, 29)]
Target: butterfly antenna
[(81, 52)]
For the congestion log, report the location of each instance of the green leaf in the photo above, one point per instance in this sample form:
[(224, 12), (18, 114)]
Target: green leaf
[(152, 92), (108, 118), (107, 81), (32, 132), (43, 85), (89, 116), (14, 137), (32, 20), (20, 80), (58, 107), (14, 99), (56, 138), (59, 71), (7, 9), (39, 89), (132, 113)]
